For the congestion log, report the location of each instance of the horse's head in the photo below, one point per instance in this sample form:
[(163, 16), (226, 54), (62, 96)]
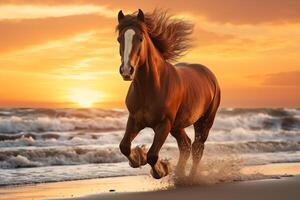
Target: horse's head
[(131, 37)]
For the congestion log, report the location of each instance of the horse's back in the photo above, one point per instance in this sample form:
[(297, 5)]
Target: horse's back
[(199, 89), (198, 69)]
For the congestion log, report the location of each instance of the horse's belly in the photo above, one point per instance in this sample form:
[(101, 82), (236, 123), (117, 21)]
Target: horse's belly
[(193, 106), (198, 94), (188, 114)]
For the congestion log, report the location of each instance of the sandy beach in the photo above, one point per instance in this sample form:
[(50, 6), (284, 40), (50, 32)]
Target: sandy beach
[(277, 181), (286, 188)]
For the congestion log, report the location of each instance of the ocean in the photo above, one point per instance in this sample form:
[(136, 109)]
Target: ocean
[(48, 145)]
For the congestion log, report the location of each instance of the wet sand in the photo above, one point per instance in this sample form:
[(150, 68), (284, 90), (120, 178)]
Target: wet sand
[(144, 187), (286, 188)]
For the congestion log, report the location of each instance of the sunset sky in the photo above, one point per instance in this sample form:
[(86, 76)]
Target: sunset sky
[(64, 53)]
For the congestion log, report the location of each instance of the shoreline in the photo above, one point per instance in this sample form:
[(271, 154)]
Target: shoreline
[(136, 184)]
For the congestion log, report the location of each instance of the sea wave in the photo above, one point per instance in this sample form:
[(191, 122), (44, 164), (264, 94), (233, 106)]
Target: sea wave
[(258, 119), (13, 121), (36, 157), (42, 145), (112, 138), (17, 124)]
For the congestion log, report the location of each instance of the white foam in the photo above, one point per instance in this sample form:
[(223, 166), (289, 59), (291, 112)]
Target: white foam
[(41, 124)]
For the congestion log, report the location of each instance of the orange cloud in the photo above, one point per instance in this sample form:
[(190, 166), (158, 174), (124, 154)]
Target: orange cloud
[(44, 11), (16, 34), (291, 78), (232, 11), (264, 96)]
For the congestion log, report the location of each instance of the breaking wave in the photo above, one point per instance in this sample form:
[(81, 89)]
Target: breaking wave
[(48, 156), (43, 120), (36, 157), (46, 120), (258, 119)]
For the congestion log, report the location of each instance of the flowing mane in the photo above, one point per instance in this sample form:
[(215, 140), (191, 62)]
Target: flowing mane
[(169, 35)]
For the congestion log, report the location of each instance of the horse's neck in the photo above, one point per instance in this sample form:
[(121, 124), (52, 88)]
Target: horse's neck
[(148, 78)]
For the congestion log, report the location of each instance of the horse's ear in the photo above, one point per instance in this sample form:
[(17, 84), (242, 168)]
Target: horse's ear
[(120, 16), (140, 16)]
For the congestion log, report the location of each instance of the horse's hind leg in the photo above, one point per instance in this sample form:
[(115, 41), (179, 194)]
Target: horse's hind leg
[(202, 127), (184, 145), (201, 133)]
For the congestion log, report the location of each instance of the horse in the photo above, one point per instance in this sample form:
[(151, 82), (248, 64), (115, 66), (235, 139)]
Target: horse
[(162, 96)]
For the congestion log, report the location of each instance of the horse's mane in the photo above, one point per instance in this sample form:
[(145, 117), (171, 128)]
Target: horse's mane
[(169, 35)]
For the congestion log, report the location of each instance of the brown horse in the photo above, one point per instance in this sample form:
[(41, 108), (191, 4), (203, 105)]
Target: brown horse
[(161, 96)]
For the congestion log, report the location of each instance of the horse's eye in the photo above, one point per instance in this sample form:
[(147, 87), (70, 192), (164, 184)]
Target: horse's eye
[(119, 39), (141, 39)]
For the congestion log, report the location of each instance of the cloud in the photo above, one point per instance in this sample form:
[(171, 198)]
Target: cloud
[(84, 52), (262, 96), (17, 34), (231, 11), (245, 12), (280, 79), (290, 78), (203, 37), (24, 32), (44, 11), (82, 70)]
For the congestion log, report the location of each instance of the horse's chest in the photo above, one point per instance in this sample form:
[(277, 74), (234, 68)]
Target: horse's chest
[(147, 117), (146, 110)]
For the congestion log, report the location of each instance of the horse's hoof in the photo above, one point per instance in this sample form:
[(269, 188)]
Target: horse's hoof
[(139, 156), (134, 165), (154, 174), (161, 169)]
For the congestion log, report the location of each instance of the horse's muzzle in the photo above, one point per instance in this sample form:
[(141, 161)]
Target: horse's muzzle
[(126, 72)]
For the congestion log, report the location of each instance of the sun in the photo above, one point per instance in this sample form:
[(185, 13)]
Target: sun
[(84, 97)]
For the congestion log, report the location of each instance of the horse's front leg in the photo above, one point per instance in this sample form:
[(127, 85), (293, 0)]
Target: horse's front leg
[(159, 168), (137, 156)]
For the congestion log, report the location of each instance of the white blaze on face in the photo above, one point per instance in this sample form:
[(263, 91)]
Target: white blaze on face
[(128, 35)]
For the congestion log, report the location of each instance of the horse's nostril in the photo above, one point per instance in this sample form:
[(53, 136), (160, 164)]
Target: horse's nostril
[(131, 70), (126, 71), (126, 77)]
